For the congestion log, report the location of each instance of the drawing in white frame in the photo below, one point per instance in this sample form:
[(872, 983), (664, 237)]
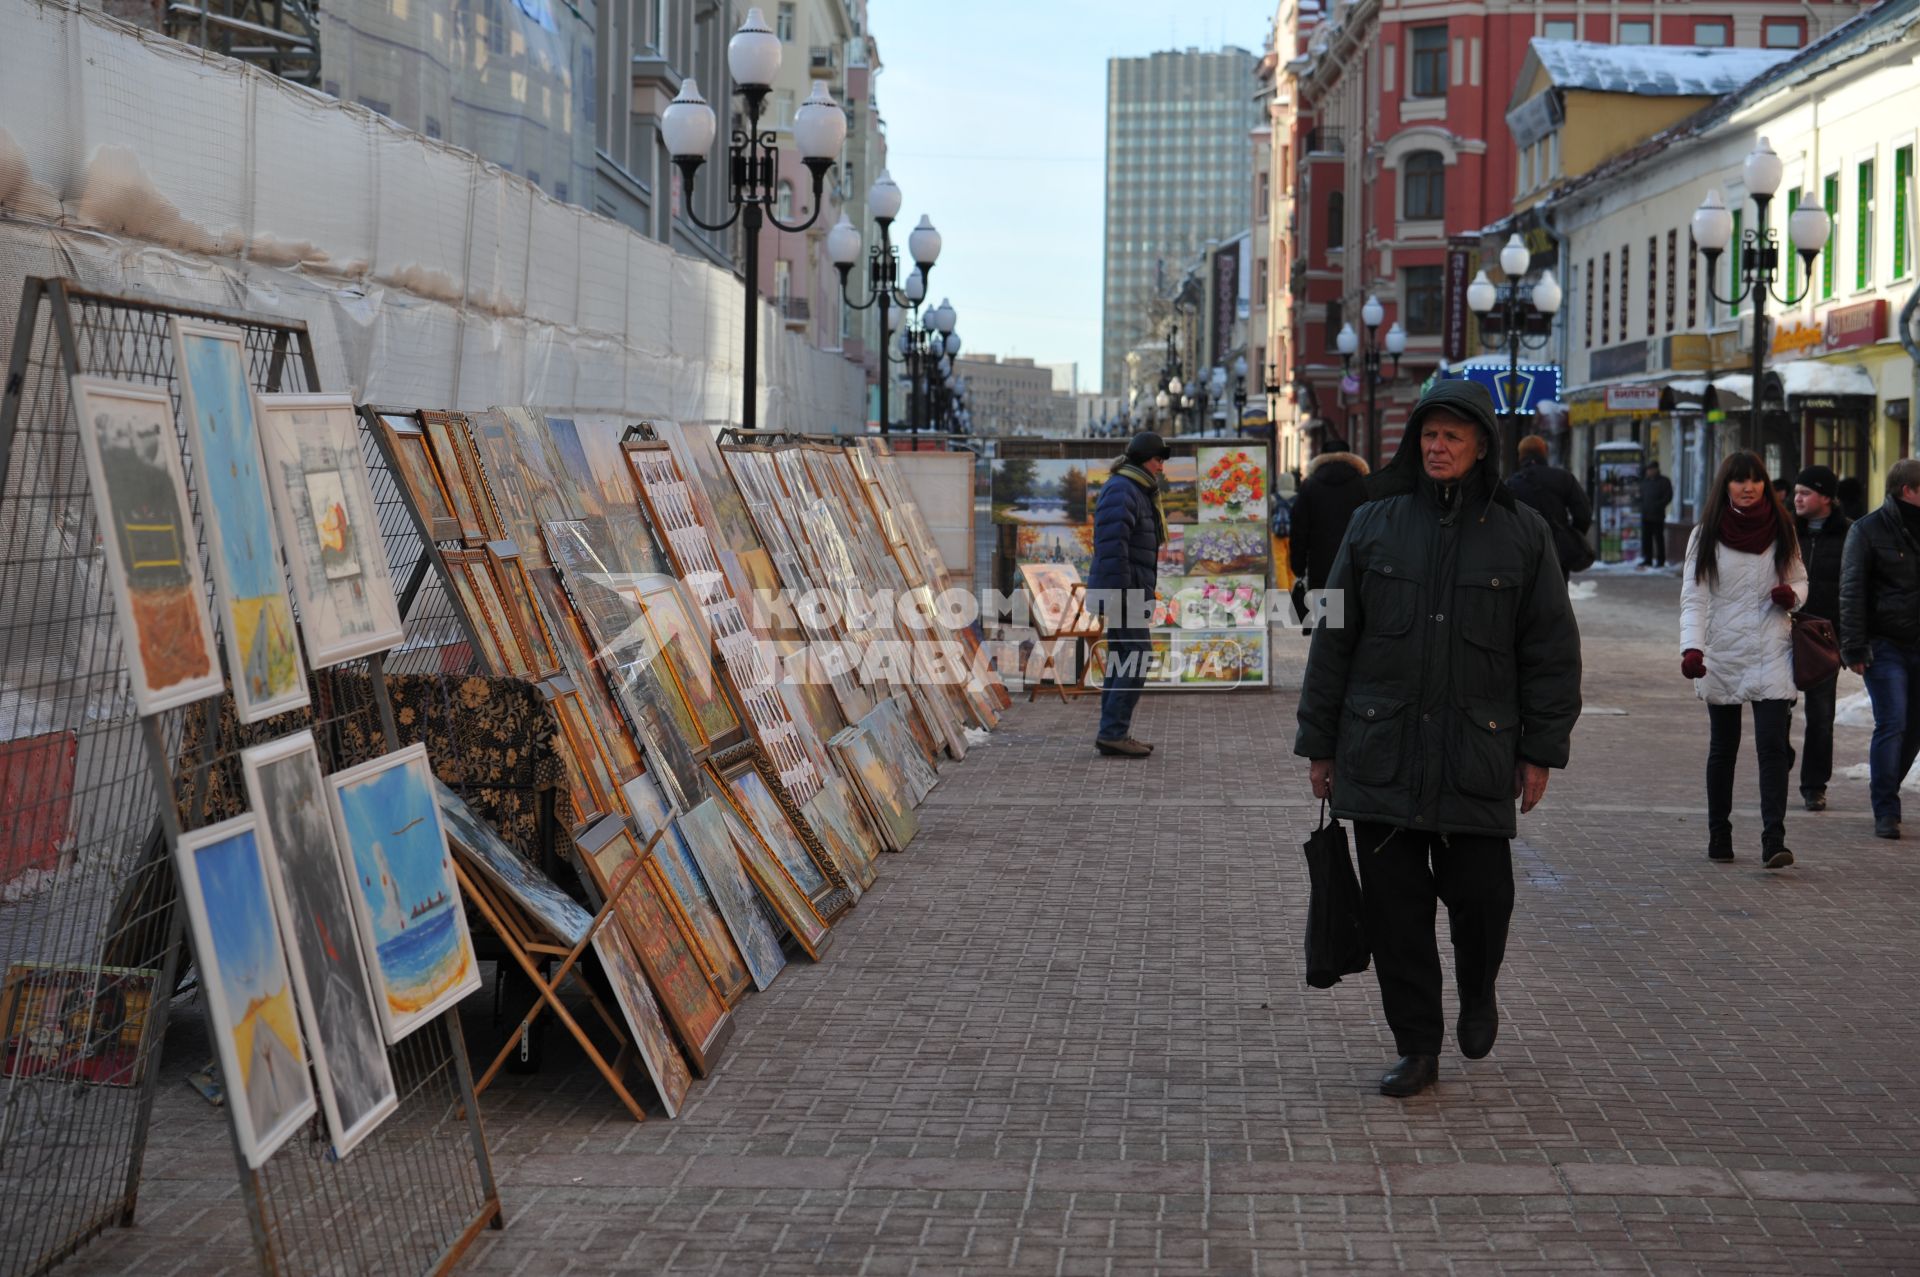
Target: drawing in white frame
[(245, 984), (146, 532), (305, 871), (404, 892), (330, 528), (217, 402)]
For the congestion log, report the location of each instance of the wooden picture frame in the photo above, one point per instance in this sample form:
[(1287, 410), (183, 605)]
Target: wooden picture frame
[(510, 578), (739, 901), (494, 609), (789, 902), (589, 769), (466, 484), (460, 570), (749, 783), (680, 637), (418, 475), (687, 889)]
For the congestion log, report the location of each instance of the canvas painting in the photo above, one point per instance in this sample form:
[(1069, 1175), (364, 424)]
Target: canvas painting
[(414, 469), (246, 985), (508, 870), (706, 833), (834, 821), (460, 467), (510, 580), (896, 738), (1057, 605), (1213, 549), (331, 530), (778, 886), (217, 401), (492, 655), (575, 650), (683, 640), (1040, 490), (664, 1063), (722, 511), (1068, 543), (147, 536), (405, 895), (752, 797), (335, 997), (77, 1022), (696, 903), (588, 770), (1232, 485), (698, 1013), (880, 782), (1221, 660), (646, 804)]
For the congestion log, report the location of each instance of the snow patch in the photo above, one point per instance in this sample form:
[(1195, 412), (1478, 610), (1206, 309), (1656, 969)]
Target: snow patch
[(1653, 70), (1578, 590), (1864, 771)]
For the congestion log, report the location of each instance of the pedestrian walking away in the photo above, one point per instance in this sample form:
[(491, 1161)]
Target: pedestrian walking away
[(1742, 578), (1656, 493), (1880, 634), (1448, 691), (1559, 499), (1129, 527), (1822, 528), (1334, 488)]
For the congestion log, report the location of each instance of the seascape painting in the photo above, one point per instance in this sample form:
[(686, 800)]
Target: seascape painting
[(245, 984), (706, 833), (405, 895), (328, 523), (146, 534), (305, 872), (217, 400)]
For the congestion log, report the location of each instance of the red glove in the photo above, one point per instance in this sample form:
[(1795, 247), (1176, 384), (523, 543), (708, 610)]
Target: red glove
[(1783, 597), (1693, 663)]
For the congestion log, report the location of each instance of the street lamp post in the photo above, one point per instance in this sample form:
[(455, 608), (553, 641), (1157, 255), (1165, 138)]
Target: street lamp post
[(1372, 315), (1509, 317), (1239, 393), (1759, 262), (883, 265), (819, 128), (928, 347)]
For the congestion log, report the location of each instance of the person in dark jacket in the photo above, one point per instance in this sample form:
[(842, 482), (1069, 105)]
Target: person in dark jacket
[(1823, 535), (1656, 493), (1334, 488), (1558, 498), (1129, 528), (1880, 634), (1449, 690), (1852, 496)]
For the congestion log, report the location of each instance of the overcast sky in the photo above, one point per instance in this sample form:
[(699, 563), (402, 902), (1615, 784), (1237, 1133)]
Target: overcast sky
[(996, 127)]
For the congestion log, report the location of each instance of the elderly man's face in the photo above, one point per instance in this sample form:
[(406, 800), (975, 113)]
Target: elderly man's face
[(1449, 446)]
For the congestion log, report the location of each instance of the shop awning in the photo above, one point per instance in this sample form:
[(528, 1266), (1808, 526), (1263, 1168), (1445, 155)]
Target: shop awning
[(1813, 377)]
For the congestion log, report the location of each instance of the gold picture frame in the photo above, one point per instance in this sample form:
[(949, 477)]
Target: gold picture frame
[(747, 781)]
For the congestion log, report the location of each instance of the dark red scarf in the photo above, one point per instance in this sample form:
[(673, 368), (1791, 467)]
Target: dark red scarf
[(1751, 532)]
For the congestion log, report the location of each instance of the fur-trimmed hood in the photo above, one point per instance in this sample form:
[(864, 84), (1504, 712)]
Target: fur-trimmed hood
[(1358, 463), (1468, 399)]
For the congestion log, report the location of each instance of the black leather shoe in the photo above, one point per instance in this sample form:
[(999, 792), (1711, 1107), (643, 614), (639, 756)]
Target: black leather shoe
[(1412, 1075), (1886, 827), (1720, 846), (1775, 855), (1125, 748), (1478, 1025), (1816, 802)]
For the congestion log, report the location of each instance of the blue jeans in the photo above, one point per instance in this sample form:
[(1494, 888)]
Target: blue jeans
[(1123, 677), (1896, 723)]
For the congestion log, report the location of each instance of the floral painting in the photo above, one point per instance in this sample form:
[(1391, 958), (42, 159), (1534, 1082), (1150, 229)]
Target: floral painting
[(1214, 549), (1233, 485), (1221, 660)]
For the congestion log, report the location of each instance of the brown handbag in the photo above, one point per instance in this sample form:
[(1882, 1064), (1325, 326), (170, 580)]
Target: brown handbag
[(1816, 650)]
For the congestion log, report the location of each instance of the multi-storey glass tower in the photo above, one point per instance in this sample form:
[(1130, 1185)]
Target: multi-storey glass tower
[(1177, 176)]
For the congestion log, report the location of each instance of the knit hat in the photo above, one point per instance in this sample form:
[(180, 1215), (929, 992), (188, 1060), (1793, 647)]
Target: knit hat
[(1146, 446), (1820, 479)]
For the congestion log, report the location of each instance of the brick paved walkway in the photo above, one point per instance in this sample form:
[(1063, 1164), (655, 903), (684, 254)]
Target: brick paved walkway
[(1068, 1034)]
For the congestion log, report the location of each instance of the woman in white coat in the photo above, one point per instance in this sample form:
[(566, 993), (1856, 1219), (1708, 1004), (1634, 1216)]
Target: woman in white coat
[(1743, 577)]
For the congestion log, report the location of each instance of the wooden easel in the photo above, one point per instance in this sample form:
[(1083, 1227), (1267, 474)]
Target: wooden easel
[(1077, 626), (524, 939)]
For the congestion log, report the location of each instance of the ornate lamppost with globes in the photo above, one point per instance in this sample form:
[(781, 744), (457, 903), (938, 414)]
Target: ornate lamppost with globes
[(819, 129), (883, 266), (1759, 262), (1372, 315), (1508, 321), (928, 347), (1239, 393)]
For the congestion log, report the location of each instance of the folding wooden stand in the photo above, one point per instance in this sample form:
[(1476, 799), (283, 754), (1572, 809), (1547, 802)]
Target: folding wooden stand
[(1079, 626)]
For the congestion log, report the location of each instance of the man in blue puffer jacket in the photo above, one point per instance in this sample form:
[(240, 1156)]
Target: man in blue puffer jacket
[(1128, 529)]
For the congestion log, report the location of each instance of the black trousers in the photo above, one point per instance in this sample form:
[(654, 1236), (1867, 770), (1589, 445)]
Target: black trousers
[(1403, 874), (1816, 751), (1772, 730), (1653, 542)]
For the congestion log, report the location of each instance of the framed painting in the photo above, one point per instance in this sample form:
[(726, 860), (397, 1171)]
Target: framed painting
[(1059, 597), (879, 783), (833, 814), (507, 869), (515, 464), (705, 829), (750, 784), (589, 774), (405, 896), (577, 658), (645, 804), (246, 984), (460, 576), (146, 533), (908, 752), (696, 449), (75, 1021), (304, 871), (683, 640), (418, 475), (665, 1065), (460, 465), (687, 889), (217, 400), (667, 952), (495, 613), (777, 885), (1232, 485), (329, 526), (510, 579)]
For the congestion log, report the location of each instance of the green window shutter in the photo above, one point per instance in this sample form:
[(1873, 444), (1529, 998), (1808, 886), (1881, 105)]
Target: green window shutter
[(1733, 264), (1902, 212), (1793, 258), (1863, 226), (1827, 268)]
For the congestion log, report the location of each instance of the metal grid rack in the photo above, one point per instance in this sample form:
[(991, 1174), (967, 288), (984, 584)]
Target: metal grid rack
[(72, 1141)]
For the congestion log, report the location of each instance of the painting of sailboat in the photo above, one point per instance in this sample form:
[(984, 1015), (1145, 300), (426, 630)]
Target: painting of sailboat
[(411, 917), (248, 991)]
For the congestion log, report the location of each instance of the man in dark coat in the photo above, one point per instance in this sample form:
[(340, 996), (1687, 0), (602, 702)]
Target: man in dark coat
[(1129, 528), (1656, 493), (1558, 498), (1823, 535), (1880, 634), (1448, 690), (1334, 488)]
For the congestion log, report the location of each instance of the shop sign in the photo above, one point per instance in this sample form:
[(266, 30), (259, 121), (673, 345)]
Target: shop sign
[(1795, 341), (1697, 352), (1618, 361), (1453, 332), (1520, 392), (1633, 398), (1226, 299), (1860, 325)]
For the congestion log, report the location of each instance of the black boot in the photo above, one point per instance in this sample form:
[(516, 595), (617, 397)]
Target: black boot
[(1478, 1025), (1720, 845), (1410, 1076), (1773, 851)]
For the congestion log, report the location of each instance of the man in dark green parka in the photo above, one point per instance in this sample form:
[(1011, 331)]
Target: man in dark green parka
[(1450, 687)]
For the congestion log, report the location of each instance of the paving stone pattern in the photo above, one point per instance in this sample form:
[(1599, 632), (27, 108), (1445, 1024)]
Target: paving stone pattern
[(1069, 1034)]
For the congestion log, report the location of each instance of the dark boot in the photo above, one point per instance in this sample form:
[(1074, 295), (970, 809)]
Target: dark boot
[(1126, 748), (1410, 1076), (1478, 1025), (1886, 827), (1720, 845), (1773, 851)]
